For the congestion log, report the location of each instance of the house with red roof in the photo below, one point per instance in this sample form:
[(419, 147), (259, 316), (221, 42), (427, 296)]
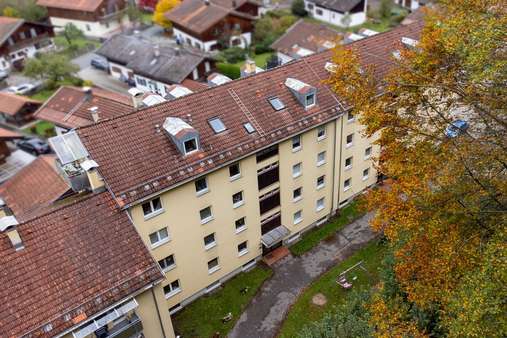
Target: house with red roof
[(16, 109)]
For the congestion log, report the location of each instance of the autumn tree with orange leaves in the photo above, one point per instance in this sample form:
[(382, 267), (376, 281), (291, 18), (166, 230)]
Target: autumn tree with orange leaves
[(444, 215)]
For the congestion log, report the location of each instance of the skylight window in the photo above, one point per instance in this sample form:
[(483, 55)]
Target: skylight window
[(249, 128), (217, 125), (276, 103)]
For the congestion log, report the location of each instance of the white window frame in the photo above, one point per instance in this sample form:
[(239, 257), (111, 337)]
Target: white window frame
[(320, 204), (298, 219), (207, 219), (238, 175), (241, 228), (365, 177), (348, 167), (300, 197), (314, 100), (347, 187), (192, 151), (202, 191), (153, 212), (160, 240), (320, 186), (240, 203), (351, 143), (244, 251), (323, 160), (324, 135), (173, 292), (299, 173), (351, 120), (215, 268), (210, 245), (368, 156), (170, 267), (300, 140)]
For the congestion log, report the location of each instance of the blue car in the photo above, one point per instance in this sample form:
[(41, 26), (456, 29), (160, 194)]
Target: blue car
[(455, 128)]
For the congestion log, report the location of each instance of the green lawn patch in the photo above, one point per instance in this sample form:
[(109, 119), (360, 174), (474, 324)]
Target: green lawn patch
[(203, 317), (313, 237), (304, 311), (42, 128), (260, 60), (229, 69), (79, 45), (43, 95)]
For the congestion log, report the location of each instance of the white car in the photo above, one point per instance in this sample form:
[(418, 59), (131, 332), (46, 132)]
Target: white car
[(21, 89)]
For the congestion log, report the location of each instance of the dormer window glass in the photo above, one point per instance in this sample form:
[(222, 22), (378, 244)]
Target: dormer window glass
[(310, 100), (276, 103), (217, 125), (249, 128), (190, 146)]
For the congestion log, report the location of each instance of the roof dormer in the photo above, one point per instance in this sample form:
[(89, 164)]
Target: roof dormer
[(304, 93), (183, 135)]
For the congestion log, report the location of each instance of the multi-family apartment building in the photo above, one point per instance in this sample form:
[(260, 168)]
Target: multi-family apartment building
[(214, 180)]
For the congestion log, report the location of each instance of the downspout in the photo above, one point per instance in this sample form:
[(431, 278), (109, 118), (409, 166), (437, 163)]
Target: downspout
[(334, 169), (339, 163), (158, 312)]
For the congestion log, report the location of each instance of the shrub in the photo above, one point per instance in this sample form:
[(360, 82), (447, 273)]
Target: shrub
[(233, 54), (229, 70), (298, 8)]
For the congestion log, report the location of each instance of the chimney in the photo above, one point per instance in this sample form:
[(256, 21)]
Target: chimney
[(137, 97), (206, 2), (95, 114), (249, 68), (88, 93), (8, 225)]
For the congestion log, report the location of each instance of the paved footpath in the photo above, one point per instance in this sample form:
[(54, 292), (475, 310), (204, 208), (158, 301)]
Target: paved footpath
[(263, 317)]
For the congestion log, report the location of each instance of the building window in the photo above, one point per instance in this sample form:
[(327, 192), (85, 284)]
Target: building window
[(152, 208), (205, 215), (296, 143), (33, 32), (10, 41), (346, 184), (88, 28), (318, 11), (201, 186), (172, 288), (348, 163), (242, 249), (190, 146), (240, 225), (217, 125), (22, 35), (213, 265), (350, 117), (321, 133), (297, 194), (367, 153), (276, 103), (320, 204), (310, 7), (321, 158), (366, 173), (159, 237), (298, 216), (167, 263), (237, 199), (209, 241), (310, 100), (321, 181), (296, 170), (141, 81), (234, 171), (350, 139)]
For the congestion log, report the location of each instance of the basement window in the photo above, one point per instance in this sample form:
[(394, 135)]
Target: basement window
[(217, 125), (276, 103), (190, 146)]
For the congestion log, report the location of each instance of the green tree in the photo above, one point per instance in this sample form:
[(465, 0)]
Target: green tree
[(385, 9), (71, 33), (298, 8), (26, 9), (53, 68), (134, 13)]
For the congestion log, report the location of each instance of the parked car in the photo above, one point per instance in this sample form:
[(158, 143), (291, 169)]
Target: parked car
[(3, 75), (22, 89), (455, 128), (34, 146), (99, 63)]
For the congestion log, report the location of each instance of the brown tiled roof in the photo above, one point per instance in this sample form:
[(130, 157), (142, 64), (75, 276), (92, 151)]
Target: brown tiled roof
[(33, 188), (311, 36), (137, 161), (77, 261), (193, 85), (69, 106), (11, 103), (77, 5), (8, 26), (198, 16), (7, 134)]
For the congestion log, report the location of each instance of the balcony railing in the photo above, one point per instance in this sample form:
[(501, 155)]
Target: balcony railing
[(268, 176), (269, 201)]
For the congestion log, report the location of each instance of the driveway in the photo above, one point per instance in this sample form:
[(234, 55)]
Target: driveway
[(263, 317), (83, 61), (103, 79)]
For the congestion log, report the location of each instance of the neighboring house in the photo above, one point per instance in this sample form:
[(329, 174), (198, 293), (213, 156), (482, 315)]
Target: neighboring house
[(72, 107), (303, 39), (411, 5), (216, 179), (11, 161), (78, 270), (153, 67), (16, 109), (34, 188), (343, 13), (210, 25), (96, 18), (20, 39)]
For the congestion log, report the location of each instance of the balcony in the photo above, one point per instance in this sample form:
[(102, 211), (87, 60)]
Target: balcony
[(267, 153), (127, 328), (269, 201), (267, 176)]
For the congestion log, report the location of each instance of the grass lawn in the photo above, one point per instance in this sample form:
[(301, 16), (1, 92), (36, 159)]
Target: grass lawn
[(203, 317), (348, 214), (83, 45), (42, 128), (304, 312), (147, 18), (43, 95), (260, 60)]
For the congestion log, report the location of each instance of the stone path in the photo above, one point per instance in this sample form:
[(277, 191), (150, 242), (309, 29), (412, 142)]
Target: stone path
[(263, 317)]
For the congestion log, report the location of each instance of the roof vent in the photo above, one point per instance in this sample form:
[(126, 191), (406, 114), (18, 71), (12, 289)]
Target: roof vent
[(304, 93), (409, 43), (8, 225), (183, 135), (94, 111)]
